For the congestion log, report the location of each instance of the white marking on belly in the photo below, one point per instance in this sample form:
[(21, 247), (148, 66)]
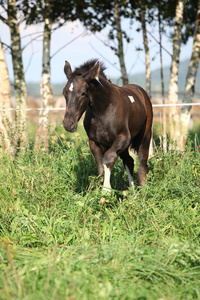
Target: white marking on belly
[(71, 88), (131, 99), (106, 183), (130, 178)]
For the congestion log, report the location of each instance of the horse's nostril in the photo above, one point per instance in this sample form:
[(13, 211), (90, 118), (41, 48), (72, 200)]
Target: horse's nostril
[(71, 125)]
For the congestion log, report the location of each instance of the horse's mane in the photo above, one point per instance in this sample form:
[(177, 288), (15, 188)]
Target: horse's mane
[(87, 66)]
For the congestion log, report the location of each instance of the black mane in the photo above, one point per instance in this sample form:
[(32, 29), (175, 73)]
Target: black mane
[(87, 66)]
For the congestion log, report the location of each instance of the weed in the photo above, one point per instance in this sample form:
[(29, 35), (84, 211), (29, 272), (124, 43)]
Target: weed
[(59, 242)]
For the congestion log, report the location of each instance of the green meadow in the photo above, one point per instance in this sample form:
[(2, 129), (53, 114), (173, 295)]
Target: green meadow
[(59, 241)]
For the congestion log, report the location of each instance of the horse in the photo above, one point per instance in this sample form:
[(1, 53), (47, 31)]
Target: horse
[(116, 120)]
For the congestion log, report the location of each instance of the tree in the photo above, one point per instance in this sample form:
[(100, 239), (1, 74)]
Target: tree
[(47, 12), (45, 84), (102, 13), (190, 80), (173, 86), (19, 79), (142, 19), (120, 50), (5, 104), (165, 16)]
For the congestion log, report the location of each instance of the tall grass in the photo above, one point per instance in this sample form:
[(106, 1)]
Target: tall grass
[(59, 242)]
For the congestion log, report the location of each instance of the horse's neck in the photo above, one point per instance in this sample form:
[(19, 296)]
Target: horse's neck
[(100, 97)]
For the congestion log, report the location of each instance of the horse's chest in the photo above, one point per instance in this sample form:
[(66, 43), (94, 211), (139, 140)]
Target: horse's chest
[(100, 133)]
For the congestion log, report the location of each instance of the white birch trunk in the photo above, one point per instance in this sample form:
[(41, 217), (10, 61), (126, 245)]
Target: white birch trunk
[(120, 44), (146, 48), (19, 80), (164, 121), (190, 81), (5, 104), (45, 87), (173, 86), (147, 60)]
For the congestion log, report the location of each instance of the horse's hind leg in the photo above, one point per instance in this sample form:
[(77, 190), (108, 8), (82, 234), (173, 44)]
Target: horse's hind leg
[(143, 154), (128, 165)]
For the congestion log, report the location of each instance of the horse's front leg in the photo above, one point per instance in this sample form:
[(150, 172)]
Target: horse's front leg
[(110, 157), (98, 152)]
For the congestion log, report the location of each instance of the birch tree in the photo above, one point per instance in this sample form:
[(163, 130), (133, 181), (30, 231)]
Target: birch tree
[(45, 83), (5, 104), (173, 85), (164, 121), (190, 81), (146, 47), (120, 50), (47, 12), (19, 79), (104, 13)]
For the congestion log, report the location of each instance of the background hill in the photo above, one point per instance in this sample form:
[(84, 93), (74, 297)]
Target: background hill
[(34, 87), (156, 82)]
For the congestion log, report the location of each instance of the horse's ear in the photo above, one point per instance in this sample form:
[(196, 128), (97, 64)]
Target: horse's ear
[(67, 69), (93, 73)]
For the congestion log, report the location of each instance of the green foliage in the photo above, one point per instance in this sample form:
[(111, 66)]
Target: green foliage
[(59, 242)]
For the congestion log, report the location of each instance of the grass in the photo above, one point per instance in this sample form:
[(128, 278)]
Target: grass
[(59, 242)]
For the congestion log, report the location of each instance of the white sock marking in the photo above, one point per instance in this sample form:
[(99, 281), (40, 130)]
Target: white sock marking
[(106, 183), (71, 88), (131, 99), (130, 178)]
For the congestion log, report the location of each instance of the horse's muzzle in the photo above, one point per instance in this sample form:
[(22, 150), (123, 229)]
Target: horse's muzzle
[(70, 126)]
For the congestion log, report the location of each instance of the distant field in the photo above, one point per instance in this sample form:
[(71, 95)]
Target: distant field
[(57, 241)]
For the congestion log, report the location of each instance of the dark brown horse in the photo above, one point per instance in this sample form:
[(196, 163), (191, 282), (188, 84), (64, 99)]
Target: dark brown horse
[(116, 119)]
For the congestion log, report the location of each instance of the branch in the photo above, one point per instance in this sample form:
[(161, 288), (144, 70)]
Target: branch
[(28, 65), (159, 43), (30, 34), (4, 20), (41, 33), (113, 65), (68, 43), (104, 43), (7, 47), (134, 63), (59, 25), (31, 40)]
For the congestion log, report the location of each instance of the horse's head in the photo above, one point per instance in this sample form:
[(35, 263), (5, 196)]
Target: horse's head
[(76, 93)]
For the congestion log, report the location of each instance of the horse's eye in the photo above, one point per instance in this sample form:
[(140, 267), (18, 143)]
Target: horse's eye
[(84, 94)]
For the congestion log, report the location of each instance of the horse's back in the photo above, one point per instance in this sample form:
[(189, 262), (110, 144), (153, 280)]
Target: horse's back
[(140, 92)]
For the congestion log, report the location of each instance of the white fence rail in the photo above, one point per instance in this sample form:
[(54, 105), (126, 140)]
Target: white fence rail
[(63, 108)]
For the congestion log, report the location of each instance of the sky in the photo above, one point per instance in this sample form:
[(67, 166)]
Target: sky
[(82, 46)]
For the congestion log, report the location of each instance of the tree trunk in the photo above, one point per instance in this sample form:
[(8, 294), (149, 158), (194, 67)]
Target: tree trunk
[(164, 121), (173, 86), (45, 85), (190, 81), (19, 80), (120, 43), (5, 104), (146, 48)]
